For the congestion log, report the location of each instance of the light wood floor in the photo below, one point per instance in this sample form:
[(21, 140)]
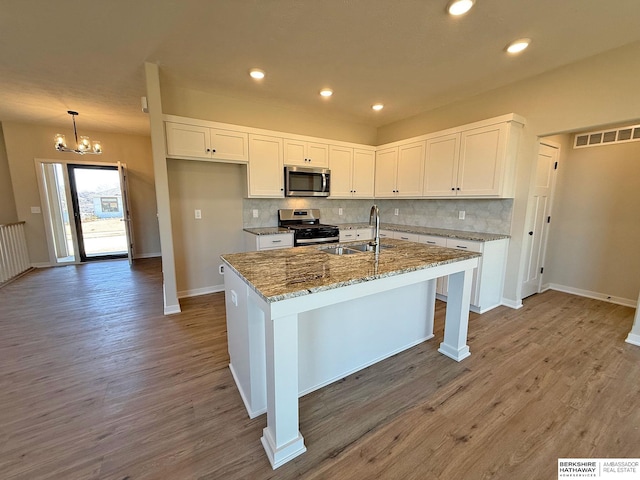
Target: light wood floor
[(95, 383)]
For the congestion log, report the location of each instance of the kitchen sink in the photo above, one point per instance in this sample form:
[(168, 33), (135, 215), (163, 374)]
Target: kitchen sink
[(340, 250), (351, 249), (366, 247)]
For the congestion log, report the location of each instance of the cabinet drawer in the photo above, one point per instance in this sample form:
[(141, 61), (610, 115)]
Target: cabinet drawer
[(432, 240), (350, 235), (283, 240), (464, 245), (407, 237)]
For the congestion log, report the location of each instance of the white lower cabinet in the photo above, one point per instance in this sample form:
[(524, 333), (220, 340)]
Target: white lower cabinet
[(441, 283), (407, 237), (254, 242), (353, 234), (385, 234), (488, 278)]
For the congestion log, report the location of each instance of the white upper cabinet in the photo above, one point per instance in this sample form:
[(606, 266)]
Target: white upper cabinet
[(478, 162), (352, 172), (265, 172), (364, 163), (203, 143), (399, 170), (441, 167), (306, 154)]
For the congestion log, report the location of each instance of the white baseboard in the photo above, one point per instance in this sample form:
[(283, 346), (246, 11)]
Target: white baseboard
[(42, 265), (171, 309), (512, 303), (627, 302), (147, 255), (201, 291), (633, 339)]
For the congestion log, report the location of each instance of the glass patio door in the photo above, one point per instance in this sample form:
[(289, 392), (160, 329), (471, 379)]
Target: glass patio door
[(100, 211)]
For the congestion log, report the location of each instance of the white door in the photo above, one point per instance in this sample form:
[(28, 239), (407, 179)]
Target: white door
[(126, 217), (540, 211)]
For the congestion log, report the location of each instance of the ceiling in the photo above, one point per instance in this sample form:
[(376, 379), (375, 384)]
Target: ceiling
[(407, 54)]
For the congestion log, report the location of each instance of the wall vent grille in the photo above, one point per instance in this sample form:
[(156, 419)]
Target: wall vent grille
[(607, 137)]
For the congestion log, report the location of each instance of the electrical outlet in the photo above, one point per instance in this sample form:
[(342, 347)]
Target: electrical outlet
[(198, 214), (396, 211), (461, 215), (339, 211), (256, 213)]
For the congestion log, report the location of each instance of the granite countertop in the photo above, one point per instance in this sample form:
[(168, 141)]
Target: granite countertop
[(292, 272), (438, 232), (267, 230)]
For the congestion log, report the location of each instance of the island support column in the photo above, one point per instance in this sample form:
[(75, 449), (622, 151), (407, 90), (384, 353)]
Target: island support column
[(281, 438), (456, 322)]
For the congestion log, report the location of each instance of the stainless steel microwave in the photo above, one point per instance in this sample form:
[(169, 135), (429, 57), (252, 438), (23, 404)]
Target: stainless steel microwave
[(307, 182)]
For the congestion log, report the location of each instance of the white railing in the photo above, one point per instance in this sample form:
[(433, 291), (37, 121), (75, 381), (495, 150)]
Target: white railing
[(14, 257)]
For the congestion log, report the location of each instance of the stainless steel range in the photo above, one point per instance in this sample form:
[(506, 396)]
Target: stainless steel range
[(306, 227)]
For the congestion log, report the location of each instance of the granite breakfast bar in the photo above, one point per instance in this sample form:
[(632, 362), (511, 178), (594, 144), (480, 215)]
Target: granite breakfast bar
[(301, 318)]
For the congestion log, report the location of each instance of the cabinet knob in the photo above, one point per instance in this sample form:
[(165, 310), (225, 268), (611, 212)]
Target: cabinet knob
[(452, 188), (208, 150), (458, 188), (213, 150), (530, 233)]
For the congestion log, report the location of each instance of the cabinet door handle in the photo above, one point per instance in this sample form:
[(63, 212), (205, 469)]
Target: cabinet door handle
[(431, 242), (461, 246), (404, 238), (276, 241)]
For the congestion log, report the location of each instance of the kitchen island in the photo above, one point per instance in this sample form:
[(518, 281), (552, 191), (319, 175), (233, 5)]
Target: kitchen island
[(301, 318)]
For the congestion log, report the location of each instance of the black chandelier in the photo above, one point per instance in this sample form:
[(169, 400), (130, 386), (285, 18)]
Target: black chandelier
[(84, 145)]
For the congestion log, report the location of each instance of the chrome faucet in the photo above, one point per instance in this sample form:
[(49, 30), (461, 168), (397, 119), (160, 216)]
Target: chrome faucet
[(376, 235)]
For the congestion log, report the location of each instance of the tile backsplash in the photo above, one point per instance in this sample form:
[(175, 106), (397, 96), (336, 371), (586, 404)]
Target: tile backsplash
[(489, 216)]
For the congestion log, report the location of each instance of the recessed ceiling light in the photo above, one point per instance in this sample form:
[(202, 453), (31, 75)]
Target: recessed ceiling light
[(460, 7), (518, 45), (326, 92), (377, 106), (256, 73)]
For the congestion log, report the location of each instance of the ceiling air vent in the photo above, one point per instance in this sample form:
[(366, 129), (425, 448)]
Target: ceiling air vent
[(607, 137)]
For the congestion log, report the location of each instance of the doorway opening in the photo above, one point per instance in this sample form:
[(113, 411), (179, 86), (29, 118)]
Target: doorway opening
[(86, 210), (98, 211)]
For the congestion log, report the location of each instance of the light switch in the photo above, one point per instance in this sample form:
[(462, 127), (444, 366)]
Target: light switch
[(255, 213), (461, 215), (36, 210), (339, 211), (396, 211), (198, 214)]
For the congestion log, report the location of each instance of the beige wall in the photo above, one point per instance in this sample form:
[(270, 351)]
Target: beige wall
[(8, 212), (216, 189), (601, 90), (262, 114), (593, 244), (25, 142)]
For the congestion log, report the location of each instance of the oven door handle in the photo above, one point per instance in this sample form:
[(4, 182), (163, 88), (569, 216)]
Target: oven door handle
[(308, 241)]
